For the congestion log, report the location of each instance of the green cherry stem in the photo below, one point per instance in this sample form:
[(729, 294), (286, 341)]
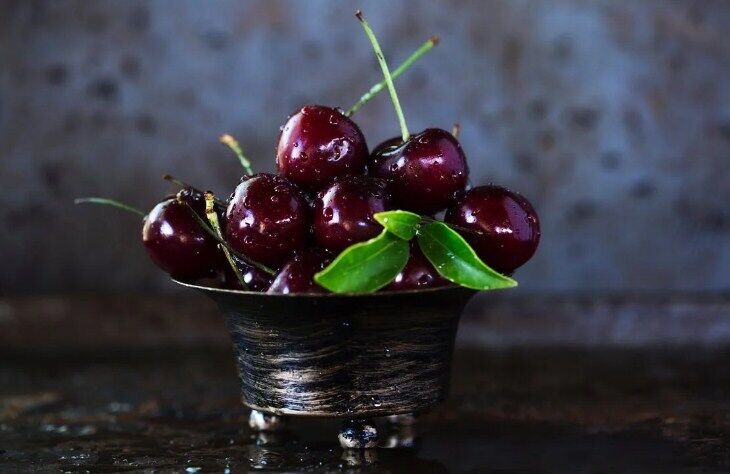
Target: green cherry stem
[(233, 144), (405, 134), (110, 202), (176, 181), (213, 219), (404, 66)]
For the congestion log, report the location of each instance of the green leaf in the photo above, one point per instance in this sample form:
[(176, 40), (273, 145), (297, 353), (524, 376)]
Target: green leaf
[(403, 224), (456, 261), (366, 266)]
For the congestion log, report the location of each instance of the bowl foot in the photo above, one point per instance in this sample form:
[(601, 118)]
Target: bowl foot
[(358, 434), (260, 421)]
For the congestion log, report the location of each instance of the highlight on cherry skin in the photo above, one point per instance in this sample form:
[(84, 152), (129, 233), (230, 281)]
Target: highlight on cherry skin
[(426, 172), (343, 212), (297, 275), (267, 219), (254, 279), (417, 274), (319, 143), (507, 229), (176, 243)]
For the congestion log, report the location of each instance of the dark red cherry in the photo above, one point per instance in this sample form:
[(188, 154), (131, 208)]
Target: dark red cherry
[(175, 241), (510, 229), (267, 219), (417, 274), (343, 213), (318, 144), (255, 279), (298, 273), (425, 173)]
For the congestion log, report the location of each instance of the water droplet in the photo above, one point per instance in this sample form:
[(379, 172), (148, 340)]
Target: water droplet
[(387, 352), (328, 213), (376, 401)]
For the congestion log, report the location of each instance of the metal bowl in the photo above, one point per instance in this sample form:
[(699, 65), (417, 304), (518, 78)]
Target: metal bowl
[(336, 355)]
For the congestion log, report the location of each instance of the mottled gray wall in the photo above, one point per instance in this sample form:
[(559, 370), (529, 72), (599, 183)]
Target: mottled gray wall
[(612, 117)]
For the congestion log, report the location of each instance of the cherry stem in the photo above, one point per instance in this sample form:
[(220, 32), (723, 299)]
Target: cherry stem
[(405, 134), (185, 185), (456, 130), (110, 202), (233, 144), (225, 244), (213, 219), (182, 184), (404, 66)]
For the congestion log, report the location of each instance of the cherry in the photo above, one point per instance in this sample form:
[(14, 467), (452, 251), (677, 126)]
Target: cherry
[(175, 241), (425, 173), (296, 276), (417, 274), (267, 219), (508, 227), (343, 213), (426, 170), (319, 143), (254, 278)]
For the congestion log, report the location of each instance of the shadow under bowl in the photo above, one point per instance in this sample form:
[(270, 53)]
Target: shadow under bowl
[(342, 355)]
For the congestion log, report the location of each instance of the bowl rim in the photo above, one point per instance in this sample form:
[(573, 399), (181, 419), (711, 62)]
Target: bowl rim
[(377, 294)]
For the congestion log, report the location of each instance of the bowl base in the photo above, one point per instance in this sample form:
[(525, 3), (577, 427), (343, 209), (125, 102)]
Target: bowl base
[(355, 433), (358, 434)]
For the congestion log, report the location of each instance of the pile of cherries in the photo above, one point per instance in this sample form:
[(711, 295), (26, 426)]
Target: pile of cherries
[(281, 229)]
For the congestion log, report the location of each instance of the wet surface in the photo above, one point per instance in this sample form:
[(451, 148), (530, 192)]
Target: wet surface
[(557, 410)]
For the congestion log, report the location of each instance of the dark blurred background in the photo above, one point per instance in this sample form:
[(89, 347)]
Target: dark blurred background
[(613, 118)]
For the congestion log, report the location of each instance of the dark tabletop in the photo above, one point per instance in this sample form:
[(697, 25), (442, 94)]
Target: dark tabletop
[(113, 406), (596, 411)]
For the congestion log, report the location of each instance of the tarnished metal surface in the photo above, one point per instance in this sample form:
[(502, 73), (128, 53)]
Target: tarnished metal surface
[(612, 117), (336, 355)]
